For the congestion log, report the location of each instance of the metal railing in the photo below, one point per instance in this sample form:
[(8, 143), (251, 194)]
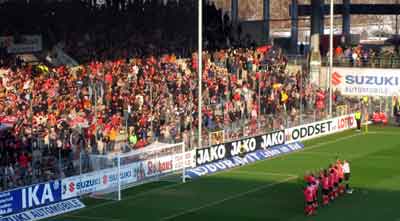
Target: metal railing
[(49, 162), (389, 61), (365, 62)]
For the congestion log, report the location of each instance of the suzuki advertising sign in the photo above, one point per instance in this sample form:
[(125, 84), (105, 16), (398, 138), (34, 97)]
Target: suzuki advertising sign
[(129, 173), (367, 81), (96, 181)]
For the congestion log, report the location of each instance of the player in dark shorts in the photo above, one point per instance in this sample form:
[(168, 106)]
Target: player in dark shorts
[(309, 198), (346, 172), (331, 184), (325, 188)]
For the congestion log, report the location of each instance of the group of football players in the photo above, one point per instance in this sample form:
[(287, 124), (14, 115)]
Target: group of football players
[(330, 183)]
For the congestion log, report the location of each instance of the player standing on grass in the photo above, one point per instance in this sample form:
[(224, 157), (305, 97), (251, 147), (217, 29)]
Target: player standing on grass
[(325, 188), (357, 116), (341, 176), (331, 184), (346, 171), (336, 171), (315, 184), (309, 198)]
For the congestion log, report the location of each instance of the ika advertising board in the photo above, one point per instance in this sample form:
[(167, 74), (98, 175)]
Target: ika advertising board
[(29, 197), (367, 81)]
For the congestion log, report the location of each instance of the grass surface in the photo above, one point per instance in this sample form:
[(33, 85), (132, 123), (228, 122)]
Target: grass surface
[(272, 189)]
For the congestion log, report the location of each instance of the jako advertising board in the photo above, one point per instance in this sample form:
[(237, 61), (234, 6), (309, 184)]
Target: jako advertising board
[(235, 161), (320, 128), (367, 81), (29, 197), (129, 173), (231, 149)]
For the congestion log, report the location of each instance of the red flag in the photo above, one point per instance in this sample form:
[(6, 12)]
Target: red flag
[(264, 49)]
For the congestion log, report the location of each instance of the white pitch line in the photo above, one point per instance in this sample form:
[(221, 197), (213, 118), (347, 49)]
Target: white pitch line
[(228, 198), (261, 173), (384, 133), (91, 217)]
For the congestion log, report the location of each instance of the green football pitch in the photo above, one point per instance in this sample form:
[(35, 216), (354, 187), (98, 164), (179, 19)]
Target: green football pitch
[(272, 189)]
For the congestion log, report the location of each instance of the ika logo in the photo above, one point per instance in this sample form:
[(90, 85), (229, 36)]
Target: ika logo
[(38, 195), (336, 78)]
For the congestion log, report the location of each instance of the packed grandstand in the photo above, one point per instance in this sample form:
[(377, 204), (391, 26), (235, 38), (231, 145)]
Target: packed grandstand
[(136, 83), (124, 96)]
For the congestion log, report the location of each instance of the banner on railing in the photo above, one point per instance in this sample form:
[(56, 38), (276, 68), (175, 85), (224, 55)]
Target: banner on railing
[(367, 81), (22, 44), (29, 197)]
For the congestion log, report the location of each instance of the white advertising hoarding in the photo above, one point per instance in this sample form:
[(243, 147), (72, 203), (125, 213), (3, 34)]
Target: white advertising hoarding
[(320, 128), (129, 173), (367, 81)]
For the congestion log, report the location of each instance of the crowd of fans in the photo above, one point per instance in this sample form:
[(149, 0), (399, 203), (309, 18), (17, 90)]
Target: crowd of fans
[(137, 84), (118, 105), (361, 56)]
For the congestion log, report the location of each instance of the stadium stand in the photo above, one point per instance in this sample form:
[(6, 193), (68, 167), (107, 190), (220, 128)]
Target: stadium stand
[(135, 87)]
